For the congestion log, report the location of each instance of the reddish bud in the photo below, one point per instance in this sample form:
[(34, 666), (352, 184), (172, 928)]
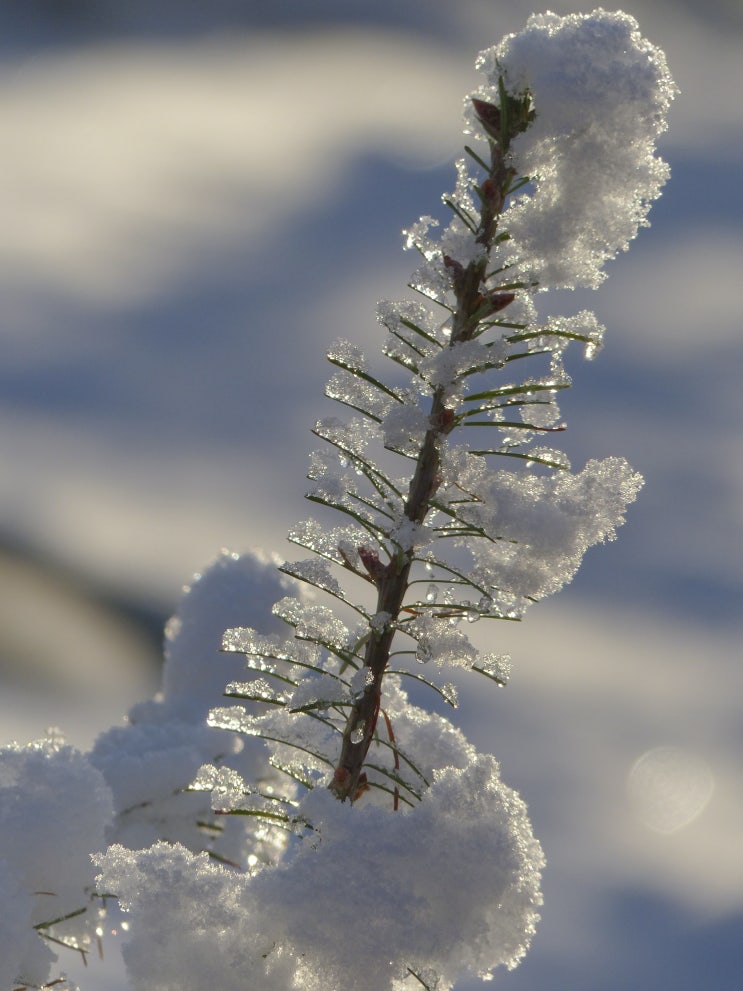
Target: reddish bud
[(489, 116), (457, 271), (500, 300), (444, 421), (362, 786), (370, 560), (489, 189), (493, 302)]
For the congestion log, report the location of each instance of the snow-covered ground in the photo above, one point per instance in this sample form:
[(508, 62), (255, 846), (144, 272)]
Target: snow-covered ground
[(189, 220)]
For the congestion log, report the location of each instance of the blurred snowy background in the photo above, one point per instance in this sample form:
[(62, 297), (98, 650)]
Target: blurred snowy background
[(197, 199)]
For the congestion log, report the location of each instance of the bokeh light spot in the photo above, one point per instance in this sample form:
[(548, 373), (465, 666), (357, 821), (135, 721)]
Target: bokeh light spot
[(668, 787)]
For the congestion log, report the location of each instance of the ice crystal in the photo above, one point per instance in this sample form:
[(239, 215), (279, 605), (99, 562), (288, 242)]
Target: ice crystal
[(348, 355), (317, 623), (404, 428), (316, 573), (406, 318), (443, 645), (318, 691)]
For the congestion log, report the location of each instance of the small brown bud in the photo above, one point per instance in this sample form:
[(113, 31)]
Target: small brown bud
[(370, 560), (489, 189), (493, 302), (444, 421), (362, 786), (457, 272), (500, 300), (489, 116)]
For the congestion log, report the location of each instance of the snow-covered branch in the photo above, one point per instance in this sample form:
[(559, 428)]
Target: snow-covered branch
[(320, 830)]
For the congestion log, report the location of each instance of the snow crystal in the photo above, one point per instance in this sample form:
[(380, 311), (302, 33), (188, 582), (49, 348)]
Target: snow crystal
[(549, 456), (222, 779), (439, 642), (344, 353), (356, 392), (416, 236), (540, 413), (332, 489), (404, 428), (584, 325), (403, 352), (315, 623), (496, 666), (413, 321), (462, 196), (319, 690), (408, 535), (312, 746), (351, 437), (261, 651), (329, 543), (232, 717), (316, 573)]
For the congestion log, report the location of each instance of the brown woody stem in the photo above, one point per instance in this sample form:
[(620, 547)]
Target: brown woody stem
[(392, 582)]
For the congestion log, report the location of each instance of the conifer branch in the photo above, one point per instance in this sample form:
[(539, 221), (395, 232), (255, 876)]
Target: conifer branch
[(474, 302)]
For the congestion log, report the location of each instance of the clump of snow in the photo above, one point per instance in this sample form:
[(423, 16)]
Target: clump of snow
[(404, 427), (54, 808), (448, 367), (441, 643), (475, 911), (408, 535), (194, 925), (600, 93), (234, 589), (357, 908), (542, 527), (151, 761), (23, 955)]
